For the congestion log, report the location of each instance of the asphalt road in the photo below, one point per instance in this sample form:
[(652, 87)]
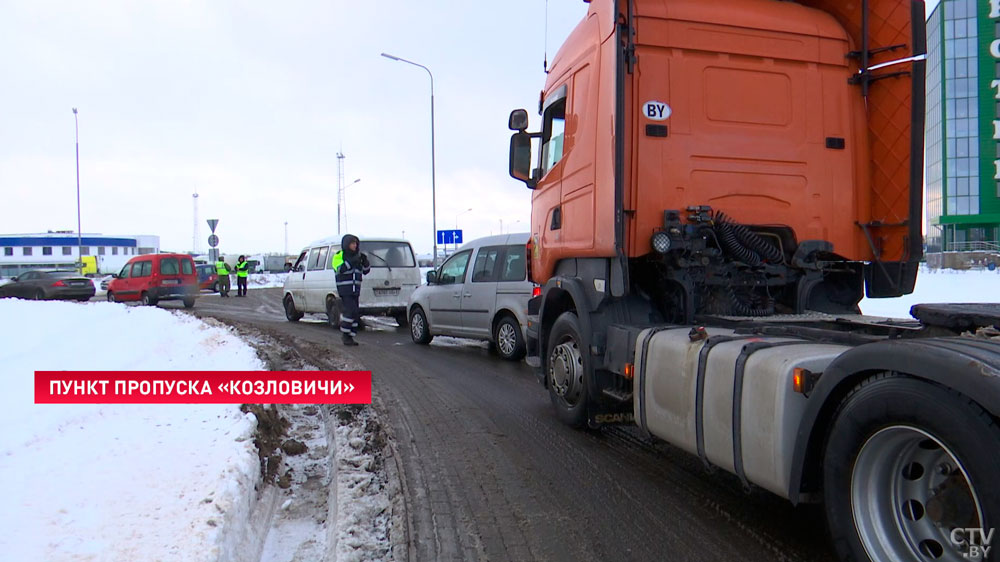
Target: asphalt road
[(490, 474)]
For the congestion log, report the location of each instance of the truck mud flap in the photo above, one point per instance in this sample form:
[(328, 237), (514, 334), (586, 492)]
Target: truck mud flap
[(610, 414)]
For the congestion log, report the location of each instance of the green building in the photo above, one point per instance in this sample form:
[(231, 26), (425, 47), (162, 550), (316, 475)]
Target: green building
[(963, 126)]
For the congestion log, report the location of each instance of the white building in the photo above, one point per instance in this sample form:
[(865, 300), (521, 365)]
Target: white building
[(59, 250)]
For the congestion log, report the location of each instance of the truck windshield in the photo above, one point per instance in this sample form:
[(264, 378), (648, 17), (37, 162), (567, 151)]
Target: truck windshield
[(395, 254)]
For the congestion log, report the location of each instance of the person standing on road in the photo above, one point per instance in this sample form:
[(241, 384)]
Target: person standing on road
[(242, 271), (222, 270), (350, 266)]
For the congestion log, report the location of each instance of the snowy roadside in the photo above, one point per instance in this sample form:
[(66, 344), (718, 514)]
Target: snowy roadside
[(936, 286), (265, 280), (339, 492), (120, 482)]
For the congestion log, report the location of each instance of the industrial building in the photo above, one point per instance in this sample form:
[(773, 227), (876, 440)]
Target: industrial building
[(963, 126), (62, 250)]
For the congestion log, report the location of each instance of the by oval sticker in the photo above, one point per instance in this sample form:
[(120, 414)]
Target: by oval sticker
[(656, 110)]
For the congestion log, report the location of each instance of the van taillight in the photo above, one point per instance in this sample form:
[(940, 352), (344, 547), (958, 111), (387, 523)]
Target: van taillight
[(536, 292)]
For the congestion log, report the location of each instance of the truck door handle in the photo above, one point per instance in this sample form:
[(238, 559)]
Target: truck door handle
[(468, 295), (556, 219), (457, 296)]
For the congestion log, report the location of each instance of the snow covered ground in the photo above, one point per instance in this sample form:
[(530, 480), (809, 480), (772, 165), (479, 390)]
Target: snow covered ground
[(265, 280), (119, 482), (939, 285)]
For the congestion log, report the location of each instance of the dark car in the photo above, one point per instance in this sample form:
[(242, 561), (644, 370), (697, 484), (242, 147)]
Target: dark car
[(151, 278), (46, 285), (208, 278)]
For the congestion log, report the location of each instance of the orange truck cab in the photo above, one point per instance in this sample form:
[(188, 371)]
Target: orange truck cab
[(734, 157)]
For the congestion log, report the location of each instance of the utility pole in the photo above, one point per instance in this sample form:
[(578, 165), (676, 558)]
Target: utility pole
[(194, 235), (79, 235), (340, 190)]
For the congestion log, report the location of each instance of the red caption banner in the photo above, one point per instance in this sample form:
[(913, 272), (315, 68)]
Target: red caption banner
[(203, 387)]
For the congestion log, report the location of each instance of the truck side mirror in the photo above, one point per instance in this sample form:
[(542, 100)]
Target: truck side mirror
[(520, 158), (432, 277), (518, 120)]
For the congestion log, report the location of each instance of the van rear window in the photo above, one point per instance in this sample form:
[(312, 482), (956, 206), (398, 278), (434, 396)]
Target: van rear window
[(169, 266), (187, 267), (393, 254)]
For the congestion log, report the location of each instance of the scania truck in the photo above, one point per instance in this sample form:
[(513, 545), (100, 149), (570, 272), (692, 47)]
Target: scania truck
[(715, 186)]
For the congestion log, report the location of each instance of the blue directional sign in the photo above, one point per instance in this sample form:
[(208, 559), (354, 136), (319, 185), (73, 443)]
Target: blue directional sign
[(449, 237)]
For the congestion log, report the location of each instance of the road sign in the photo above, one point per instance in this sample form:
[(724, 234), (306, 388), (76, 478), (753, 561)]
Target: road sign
[(212, 223), (449, 237), (213, 240)]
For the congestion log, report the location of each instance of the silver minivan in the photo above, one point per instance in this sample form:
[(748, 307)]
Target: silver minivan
[(311, 286), (481, 291)]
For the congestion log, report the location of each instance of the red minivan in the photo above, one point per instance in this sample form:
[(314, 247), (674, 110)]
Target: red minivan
[(156, 277)]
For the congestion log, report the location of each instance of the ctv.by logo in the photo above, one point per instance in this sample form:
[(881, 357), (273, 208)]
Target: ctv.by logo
[(975, 542)]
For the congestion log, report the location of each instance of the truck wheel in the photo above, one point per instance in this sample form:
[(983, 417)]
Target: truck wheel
[(291, 314), (908, 463), (188, 303), (566, 369), (147, 300), (420, 330), (508, 338)]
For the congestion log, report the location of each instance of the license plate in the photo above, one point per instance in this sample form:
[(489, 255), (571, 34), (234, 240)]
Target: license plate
[(390, 292), (171, 281)]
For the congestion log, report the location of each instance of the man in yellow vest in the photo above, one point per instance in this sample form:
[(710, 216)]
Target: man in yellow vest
[(222, 270), (349, 266), (242, 271)]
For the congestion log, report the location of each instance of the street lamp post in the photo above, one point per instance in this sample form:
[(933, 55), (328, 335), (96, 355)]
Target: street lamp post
[(433, 185), (340, 197), (79, 234)]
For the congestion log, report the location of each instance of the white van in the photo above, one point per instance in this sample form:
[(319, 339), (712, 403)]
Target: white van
[(311, 286), (481, 291)]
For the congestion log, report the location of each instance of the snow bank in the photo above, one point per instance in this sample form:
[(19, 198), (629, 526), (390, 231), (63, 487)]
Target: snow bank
[(119, 482), (265, 280), (939, 285)]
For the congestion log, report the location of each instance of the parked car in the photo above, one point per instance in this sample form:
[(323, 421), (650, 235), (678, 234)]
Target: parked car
[(208, 277), (152, 278), (481, 291), (311, 286), (46, 285)]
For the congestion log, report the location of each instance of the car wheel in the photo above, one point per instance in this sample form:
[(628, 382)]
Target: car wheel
[(111, 297), (333, 312), (188, 303), (508, 338), (215, 287), (908, 462), (291, 314), (39, 295), (401, 319), (83, 299), (566, 370), (420, 330), (147, 300)]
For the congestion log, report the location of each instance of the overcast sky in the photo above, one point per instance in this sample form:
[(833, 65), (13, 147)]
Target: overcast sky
[(248, 103)]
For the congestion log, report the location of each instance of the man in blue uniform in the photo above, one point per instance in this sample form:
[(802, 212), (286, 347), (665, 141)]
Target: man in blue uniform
[(350, 266)]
